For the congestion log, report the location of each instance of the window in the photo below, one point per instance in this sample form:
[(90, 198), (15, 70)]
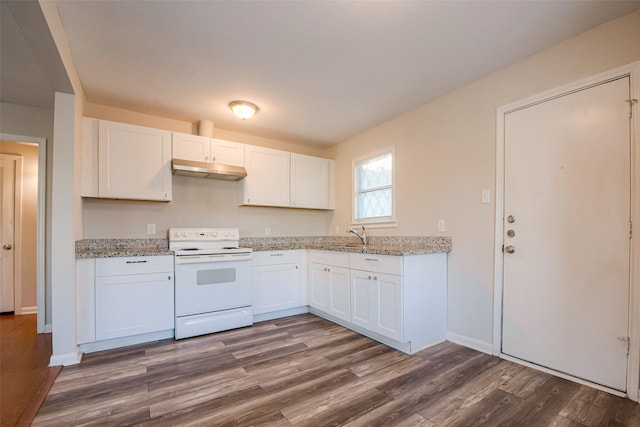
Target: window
[(373, 180)]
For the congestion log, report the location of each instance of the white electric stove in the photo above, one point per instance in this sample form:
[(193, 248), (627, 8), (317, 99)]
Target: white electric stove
[(212, 281)]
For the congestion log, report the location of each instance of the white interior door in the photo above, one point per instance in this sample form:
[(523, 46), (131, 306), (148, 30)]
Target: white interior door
[(7, 177), (567, 191)]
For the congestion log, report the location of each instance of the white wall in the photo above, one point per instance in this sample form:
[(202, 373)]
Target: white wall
[(445, 156), (196, 202), (34, 122)]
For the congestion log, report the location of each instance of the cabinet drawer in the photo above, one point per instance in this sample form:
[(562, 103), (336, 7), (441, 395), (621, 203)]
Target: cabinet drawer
[(133, 265), (378, 263), (339, 259), (276, 257)]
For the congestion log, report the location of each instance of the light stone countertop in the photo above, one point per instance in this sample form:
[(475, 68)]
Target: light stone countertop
[(378, 245)]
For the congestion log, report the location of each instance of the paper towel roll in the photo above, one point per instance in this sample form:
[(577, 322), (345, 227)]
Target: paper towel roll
[(205, 128)]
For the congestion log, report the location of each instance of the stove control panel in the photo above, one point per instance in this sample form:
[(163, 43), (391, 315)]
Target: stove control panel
[(203, 234)]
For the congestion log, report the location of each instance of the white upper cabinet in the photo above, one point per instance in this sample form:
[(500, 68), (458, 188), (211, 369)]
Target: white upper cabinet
[(227, 152), (122, 161), (209, 150), (268, 177), (191, 147), (280, 178), (311, 182)]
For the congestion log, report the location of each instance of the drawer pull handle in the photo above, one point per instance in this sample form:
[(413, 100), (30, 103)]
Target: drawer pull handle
[(137, 262), (277, 254), (371, 259)]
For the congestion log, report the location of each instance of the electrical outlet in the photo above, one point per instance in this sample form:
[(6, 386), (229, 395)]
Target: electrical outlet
[(267, 231), (441, 226), (337, 230), (151, 229)]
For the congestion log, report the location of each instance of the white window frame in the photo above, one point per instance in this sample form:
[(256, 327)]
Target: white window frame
[(378, 222)]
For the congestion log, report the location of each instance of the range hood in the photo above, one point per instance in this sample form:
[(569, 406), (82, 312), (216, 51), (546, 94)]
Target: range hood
[(207, 170)]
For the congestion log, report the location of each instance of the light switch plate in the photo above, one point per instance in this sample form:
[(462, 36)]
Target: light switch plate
[(486, 196), (441, 226)]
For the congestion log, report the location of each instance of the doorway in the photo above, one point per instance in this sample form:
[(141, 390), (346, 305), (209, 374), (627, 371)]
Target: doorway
[(28, 243), (564, 285)]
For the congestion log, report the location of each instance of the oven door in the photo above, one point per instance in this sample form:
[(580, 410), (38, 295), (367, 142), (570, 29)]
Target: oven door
[(207, 286)]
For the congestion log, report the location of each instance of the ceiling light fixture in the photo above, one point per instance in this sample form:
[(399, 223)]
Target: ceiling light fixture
[(244, 109)]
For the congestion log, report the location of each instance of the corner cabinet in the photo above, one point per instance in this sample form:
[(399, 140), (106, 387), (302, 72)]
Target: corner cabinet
[(130, 162), (329, 288)]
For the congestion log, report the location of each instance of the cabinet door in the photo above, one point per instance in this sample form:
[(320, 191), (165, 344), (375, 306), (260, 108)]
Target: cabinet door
[(267, 181), (340, 293), (309, 182), (131, 305), (389, 315), (191, 147), (320, 297), (363, 302), (275, 287), (134, 162), (227, 152)]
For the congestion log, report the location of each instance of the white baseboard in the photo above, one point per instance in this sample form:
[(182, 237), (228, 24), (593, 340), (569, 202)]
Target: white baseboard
[(470, 342), (280, 313), (48, 328), (29, 310), (65, 359), (92, 347)]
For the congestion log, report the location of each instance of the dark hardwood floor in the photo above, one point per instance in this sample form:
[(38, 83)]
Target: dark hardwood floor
[(25, 376), (306, 371)]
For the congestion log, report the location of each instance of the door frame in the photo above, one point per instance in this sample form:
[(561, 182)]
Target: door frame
[(41, 212), (633, 360)]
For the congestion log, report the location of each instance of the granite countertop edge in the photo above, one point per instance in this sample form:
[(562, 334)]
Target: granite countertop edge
[(394, 246)]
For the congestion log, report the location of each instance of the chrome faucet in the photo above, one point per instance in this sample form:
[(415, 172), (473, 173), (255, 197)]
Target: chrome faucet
[(362, 236)]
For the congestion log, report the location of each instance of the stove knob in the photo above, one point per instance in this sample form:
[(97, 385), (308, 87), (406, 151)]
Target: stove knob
[(214, 234)]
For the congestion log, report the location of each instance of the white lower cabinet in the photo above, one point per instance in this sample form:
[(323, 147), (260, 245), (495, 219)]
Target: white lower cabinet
[(400, 301), (329, 284), (278, 281), (124, 297), (377, 303)]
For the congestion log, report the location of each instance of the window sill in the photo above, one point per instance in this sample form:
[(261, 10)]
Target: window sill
[(384, 224)]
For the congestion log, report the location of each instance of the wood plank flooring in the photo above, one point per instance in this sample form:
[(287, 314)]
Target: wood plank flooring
[(25, 376), (306, 371)]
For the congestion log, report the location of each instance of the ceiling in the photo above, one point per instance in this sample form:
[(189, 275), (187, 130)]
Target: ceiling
[(320, 71), (30, 68)]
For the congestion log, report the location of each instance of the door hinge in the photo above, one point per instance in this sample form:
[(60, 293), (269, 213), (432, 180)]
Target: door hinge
[(630, 229), (631, 102), (626, 339)]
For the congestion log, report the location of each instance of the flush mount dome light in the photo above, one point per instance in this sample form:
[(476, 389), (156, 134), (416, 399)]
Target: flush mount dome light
[(243, 109)]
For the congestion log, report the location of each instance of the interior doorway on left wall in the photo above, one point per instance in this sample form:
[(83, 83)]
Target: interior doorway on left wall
[(19, 199)]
